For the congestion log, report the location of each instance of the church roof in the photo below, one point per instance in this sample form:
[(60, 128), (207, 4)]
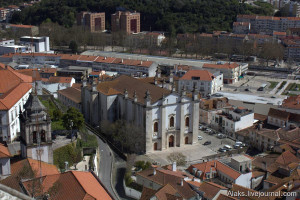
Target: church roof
[(132, 85)]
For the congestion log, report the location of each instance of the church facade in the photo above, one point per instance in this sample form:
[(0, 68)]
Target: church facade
[(168, 119)]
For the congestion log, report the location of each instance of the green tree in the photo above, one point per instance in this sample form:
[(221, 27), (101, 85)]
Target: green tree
[(73, 117), (73, 46), (57, 114)]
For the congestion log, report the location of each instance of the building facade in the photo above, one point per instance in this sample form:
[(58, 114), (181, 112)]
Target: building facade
[(37, 44), (205, 81), (167, 119), (14, 94), (128, 22), (94, 22)]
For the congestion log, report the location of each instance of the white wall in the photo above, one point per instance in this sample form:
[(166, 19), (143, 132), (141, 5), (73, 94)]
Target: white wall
[(244, 180)]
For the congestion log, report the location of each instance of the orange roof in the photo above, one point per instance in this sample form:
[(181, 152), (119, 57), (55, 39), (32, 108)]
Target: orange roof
[(33, 73), (17, 172), (87, 58), (69, 57), (287, 158), (292, 102), (12, 89), (279, 33), (221, 66), (210, 189), (204, 75), (215, 166), (60, 79), (20, 26), (48, 70), (4, 153), (72, 185)]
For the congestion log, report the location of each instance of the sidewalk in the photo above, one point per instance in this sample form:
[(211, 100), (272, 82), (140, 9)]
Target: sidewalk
[(83, 165)]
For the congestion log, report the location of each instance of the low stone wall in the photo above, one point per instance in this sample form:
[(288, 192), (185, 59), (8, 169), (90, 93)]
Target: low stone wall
[(131, 192)]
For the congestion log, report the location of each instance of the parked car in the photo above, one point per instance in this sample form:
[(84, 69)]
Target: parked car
[(222, 149), (228, 147), (200, 137), (53, 135), (221, 136), (207, 143)]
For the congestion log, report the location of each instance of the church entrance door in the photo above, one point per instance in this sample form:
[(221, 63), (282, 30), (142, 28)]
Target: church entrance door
[(171, 141)]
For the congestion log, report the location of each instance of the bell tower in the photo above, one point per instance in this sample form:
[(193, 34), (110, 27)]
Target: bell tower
[(36, 141)]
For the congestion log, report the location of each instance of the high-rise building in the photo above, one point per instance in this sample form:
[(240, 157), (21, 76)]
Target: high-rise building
[(128, 22), (94, 22)]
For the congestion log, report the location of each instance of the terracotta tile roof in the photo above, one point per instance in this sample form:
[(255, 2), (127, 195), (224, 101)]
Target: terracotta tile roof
[(260, 117), (203, 75), (118, 86), (27, 168), (33, 73), (105, 59), (87, 58), (194, 183), (72, 185), (69, 57), (12, 96), (60, 79), (4, 152), (292, 102), (210, 189), (286, 147), (287, 158), (147, 193), (48, 70), (279, 33), (20, 26), (163, 177), (71, 93), (164, 192), (183, 67), (221, 66), (215, 166), (279, 114)]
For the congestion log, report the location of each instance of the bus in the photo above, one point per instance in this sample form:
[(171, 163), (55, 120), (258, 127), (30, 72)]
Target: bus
[(262, 87)]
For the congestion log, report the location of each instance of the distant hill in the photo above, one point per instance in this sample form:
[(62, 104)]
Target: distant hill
[(173, 16)]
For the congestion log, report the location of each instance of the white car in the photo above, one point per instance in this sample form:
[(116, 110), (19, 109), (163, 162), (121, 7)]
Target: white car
[(227, 147), (200, 137)]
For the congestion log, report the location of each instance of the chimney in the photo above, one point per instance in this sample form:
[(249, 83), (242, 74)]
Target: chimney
[(174, 167), (155, 80), (171, 78), (94, 86), (122, 60), (141, 62), (215, 164), (154, 171), (259, 126), (126, 94), (105, 58), (181, 182)]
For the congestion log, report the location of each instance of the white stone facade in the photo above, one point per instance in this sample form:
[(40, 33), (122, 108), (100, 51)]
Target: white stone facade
[(9, 119)]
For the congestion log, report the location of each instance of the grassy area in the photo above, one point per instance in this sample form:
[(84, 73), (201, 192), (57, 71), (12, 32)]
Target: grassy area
[(282, 85), (273, 84), (293, 87), (88, 141)]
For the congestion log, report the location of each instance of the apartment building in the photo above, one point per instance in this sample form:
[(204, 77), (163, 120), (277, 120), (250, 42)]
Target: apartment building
[(206, 82), (37, 44), (233, 119), (231, 71), (268, 24), (94, 22), (128, 22), (241, 27)]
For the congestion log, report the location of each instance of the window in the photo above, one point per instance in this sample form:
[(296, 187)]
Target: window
[(43, 136), (0, 119), (34, 139), (187, 121), (155, 127), (172, 121), (231, 125)]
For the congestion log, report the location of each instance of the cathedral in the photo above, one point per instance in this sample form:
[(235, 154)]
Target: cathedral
[(36, 141), (168, 119)]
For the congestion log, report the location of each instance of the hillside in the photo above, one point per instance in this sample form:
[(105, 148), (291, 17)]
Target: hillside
[(174, 16)]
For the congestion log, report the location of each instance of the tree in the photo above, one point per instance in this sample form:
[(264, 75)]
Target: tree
[(73, 116), (57, 114), (73, 46), (177, 157)]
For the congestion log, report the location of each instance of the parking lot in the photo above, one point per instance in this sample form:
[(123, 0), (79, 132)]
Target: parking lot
[(216, 143), (194, 153)]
